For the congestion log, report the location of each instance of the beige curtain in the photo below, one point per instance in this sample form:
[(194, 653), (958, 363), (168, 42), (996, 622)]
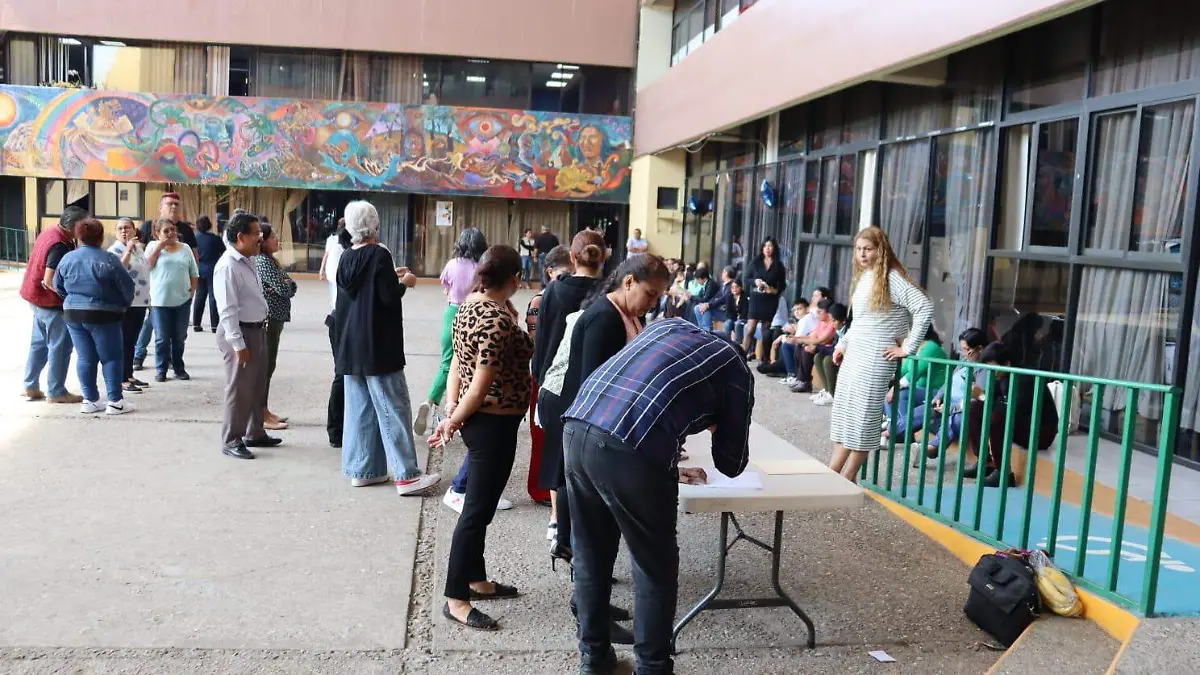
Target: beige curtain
[(533, 214), (491, 217), (396, 78), (275, 205), (218, 71), (191, 69), (355, 82), (22, 61), (198, 200)]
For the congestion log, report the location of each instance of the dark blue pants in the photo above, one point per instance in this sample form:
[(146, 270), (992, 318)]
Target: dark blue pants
[(170, 331)]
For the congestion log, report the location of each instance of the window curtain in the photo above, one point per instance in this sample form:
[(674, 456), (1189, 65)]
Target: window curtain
[(791, 205), (818, 258), (396, 78), (1122, 326), (52, 60), (1146, 46), (22, 61), (218, 70), (725, 194), (969, 178), (305, 75), (827, 216), (1189, 417), (902, 204), (198, 200)]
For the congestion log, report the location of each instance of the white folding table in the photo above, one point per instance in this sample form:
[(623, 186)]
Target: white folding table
[(818, 489)]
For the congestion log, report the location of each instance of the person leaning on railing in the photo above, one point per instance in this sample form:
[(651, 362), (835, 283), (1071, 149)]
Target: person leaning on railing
[(1007, 386)]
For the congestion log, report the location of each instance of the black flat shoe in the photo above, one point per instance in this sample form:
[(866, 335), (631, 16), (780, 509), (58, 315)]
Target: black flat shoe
[(502, 592), (264, 442), (542, 502), (335, 444), (182, 375), (238, 452), (161, 377), (136, 382), (971, 471), (476, 619), (605, 665), (197, 329), (993, 479)]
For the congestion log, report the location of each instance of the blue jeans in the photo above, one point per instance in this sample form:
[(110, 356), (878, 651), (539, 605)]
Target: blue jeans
[(953, 429), (170, 330), (706, 318), (99, 345), (459, 486), (143, 338), (50, 345), (377, 430), (526, 268), (900, 425), (541, 267), (787, 351)]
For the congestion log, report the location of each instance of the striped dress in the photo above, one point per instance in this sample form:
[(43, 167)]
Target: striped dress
[(864, 376)]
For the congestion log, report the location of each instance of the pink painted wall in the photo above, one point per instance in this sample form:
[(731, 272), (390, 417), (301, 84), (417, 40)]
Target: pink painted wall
[(597, 32), (782, 52)]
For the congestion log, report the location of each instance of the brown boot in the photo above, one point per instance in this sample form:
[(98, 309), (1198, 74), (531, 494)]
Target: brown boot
[(33, 395), (66, 398)]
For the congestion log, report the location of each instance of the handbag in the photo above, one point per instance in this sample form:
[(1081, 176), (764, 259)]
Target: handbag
[(1003, 598)]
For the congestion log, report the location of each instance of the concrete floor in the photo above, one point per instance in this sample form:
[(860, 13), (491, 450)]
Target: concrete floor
[(131, 545)]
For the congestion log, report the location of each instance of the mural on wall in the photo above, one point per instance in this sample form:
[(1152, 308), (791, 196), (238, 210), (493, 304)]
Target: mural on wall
[(330, 145)]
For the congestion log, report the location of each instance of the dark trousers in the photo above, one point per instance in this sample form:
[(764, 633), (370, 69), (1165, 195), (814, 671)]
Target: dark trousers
[(170, 333), (491, 442), (805, 365), (131, 325), (335, 413), (274, 332), (617, 492), (243, 416), (1020, 435), (204, 290)]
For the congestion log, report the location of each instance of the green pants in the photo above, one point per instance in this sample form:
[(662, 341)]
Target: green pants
[(438, 391), (828, 372)]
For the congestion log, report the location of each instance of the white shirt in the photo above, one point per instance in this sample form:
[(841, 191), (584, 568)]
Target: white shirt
[(139, 271), (239, 295), (808, 323), (333, 253)]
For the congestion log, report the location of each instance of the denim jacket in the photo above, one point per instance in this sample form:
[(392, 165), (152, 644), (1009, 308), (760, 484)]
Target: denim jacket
[(94, 279)]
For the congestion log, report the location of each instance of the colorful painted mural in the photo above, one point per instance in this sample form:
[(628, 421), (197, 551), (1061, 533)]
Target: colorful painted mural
[(331, 145)]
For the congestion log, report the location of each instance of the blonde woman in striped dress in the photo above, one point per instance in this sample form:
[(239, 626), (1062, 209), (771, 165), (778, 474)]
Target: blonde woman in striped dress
[(889, 317)]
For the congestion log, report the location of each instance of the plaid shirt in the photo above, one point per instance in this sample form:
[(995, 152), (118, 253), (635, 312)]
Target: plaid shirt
[(672, 381)]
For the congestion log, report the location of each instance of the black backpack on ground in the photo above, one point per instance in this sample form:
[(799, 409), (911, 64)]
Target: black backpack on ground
[(1004, 597)]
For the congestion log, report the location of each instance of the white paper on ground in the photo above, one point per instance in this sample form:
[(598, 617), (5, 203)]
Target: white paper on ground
[(881, 656), (749, 480)]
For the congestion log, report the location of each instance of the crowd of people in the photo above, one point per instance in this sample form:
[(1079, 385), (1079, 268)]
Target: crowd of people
[(614, 372), (104, 305)]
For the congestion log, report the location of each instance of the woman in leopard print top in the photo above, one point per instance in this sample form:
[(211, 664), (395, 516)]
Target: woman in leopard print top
[(488, 395)]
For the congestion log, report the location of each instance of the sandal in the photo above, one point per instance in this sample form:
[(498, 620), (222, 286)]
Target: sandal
[(476, 619), (502, 592)]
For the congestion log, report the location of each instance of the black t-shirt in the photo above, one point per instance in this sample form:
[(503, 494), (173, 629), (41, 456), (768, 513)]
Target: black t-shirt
[(186, 234), (545, 242), (55, 255)]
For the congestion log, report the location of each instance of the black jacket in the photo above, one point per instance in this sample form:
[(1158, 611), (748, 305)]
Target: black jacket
[(560, 299), (738, 309), (369, 321), (775, 275), (707, 292), (598, 335)]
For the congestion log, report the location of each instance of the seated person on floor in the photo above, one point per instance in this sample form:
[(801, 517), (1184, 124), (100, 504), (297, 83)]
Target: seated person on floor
[(799, 352), (737, 308), (1008, 389), (701, 288), (970, 345), (823, 356), (797, 325), (916, 380), (676, 296), (709, 310)]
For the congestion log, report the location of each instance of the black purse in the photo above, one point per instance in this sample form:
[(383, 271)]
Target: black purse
[(1003, 599)]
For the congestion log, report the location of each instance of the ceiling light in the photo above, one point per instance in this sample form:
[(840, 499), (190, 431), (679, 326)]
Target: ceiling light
[(112, 43), (562, 76), (556, 83), (478, 61), (566, 66), (476, 78)]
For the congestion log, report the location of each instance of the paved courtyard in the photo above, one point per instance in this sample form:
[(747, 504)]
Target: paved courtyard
[(131, 545)]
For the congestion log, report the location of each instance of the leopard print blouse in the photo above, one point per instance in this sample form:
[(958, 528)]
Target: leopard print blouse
[(485, 333)]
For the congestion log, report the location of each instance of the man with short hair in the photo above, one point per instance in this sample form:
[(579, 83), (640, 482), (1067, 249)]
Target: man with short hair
[(170, 207), (622, 447), (544, 242), (636, 244), (716, 308), (51, 343), (242, 339)]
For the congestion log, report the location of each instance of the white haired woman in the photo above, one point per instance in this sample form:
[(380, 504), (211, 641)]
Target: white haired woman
[(370, 358)]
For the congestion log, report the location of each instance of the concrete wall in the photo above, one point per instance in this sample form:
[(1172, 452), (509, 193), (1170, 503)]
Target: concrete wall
[(783, 52), (599, 32), (662, 228)]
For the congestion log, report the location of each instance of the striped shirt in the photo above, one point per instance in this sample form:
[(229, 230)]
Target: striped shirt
[(673, 380)]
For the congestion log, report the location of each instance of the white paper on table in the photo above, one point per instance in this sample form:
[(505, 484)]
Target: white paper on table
[(749, 480)]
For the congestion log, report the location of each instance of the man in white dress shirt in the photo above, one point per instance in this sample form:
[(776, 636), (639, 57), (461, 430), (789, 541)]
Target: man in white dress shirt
[(242, 339)]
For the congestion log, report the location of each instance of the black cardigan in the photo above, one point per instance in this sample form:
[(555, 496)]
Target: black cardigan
[(775, 275), (560, 298), (598, 335)]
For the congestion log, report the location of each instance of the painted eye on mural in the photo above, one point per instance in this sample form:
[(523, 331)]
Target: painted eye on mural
[(347, 118), (484, 126)]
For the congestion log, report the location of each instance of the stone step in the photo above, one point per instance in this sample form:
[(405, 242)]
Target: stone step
[(1162, 646), (1054, 644)]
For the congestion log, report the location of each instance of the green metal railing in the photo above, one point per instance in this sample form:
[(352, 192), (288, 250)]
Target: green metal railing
[(14, 245), (932, 500)]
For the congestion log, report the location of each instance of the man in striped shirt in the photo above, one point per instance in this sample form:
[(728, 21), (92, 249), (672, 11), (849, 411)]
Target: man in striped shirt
[(622, 438)]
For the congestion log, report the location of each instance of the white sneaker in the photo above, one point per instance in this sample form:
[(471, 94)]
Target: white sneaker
[(789, 380), (503, 504), (364, 482), (825, 399), (119, 407), (90, 407), (408, 487), (552, 531), (421, 420), (454, 500)]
